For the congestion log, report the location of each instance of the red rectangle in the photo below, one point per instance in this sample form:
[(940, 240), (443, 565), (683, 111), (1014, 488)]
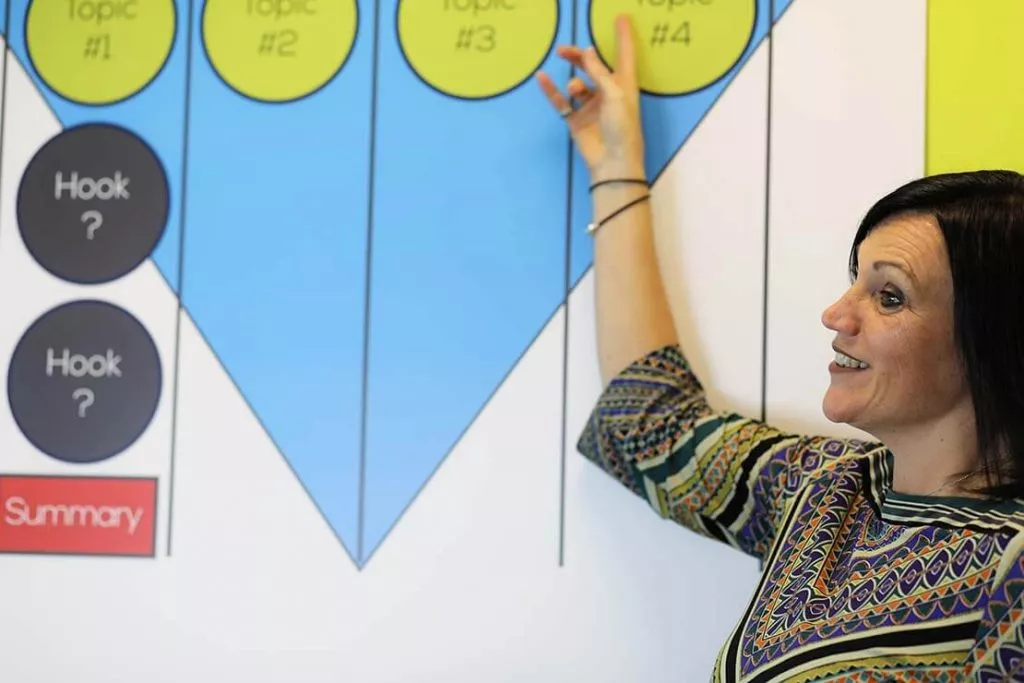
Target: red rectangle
[(78, 515)]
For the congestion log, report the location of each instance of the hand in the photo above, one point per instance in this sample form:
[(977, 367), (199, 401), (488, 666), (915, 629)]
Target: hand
[(606, 126)]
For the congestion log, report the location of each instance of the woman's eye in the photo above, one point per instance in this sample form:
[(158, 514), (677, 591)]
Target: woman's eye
[(891, 299)]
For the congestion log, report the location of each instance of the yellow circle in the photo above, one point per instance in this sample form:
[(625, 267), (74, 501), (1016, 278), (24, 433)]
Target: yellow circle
[(476, 48), (278, 50), (681, 45), (99, 51)]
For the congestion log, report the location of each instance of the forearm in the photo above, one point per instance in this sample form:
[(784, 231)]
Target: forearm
[(633, 315)]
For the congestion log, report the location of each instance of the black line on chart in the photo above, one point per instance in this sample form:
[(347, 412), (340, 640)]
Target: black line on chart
[(767, 213), (3, 95), (182, 213), (567, 285), (370, 197)]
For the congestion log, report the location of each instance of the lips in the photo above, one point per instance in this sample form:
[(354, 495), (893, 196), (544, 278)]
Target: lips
[(845, 360)]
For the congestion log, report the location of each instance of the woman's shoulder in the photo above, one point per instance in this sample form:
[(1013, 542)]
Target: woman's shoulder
[(817, 461)]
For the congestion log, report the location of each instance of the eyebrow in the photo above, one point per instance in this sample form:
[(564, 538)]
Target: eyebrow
[(877, 265)]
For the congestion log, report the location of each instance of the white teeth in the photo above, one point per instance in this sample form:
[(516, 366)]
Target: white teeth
[(847, 362)]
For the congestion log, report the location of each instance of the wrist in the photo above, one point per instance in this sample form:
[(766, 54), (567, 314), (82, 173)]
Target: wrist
[(615, 187), (632, 169), (613, 205)]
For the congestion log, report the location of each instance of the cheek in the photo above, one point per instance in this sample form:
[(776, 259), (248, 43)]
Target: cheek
[(901, 348), (906, 357), (923, 363)]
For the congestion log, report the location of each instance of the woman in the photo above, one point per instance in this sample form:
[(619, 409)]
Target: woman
[(896, 559)]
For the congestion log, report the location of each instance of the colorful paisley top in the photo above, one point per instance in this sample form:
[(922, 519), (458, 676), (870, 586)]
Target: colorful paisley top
[(859, 583)]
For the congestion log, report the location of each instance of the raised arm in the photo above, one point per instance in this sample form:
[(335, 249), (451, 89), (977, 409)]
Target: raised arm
[(721, 474), (633, 315)]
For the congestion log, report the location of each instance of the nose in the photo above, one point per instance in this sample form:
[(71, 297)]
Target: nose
[(840, 316)]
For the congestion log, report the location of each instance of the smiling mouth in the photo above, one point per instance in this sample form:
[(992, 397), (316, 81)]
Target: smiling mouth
[(849, 362)]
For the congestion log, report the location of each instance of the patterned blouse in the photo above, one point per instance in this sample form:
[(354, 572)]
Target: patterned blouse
[(859, 583)]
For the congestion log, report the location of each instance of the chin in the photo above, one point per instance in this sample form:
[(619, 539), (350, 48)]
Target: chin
[(836, 418), (849, 415), (836, 411)]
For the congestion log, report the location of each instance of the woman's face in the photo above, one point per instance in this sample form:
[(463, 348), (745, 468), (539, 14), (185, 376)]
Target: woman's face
[(897, 320)]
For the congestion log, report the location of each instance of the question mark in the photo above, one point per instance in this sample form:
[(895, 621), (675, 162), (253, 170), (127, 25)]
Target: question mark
[(97, 220), (87, 398)]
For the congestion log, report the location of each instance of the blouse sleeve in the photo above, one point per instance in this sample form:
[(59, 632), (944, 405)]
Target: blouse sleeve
[(720, 474)]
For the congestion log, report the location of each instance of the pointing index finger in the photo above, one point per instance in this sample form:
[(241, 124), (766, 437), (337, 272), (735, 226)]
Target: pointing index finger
[(625, 48)]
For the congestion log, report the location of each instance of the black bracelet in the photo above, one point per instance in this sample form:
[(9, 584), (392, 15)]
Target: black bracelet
[(593, 227), (635, 181)]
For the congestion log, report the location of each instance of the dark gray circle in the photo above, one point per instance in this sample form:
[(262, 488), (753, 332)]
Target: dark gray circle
[(84, 381), (94, 174)]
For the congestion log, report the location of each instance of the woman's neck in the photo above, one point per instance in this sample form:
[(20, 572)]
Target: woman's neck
[(933, 458)]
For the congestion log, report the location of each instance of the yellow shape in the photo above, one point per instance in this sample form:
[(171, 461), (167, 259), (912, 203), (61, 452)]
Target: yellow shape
[(99, 51), (681, 45), (975, 98), (476, 49), (278, 50)]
